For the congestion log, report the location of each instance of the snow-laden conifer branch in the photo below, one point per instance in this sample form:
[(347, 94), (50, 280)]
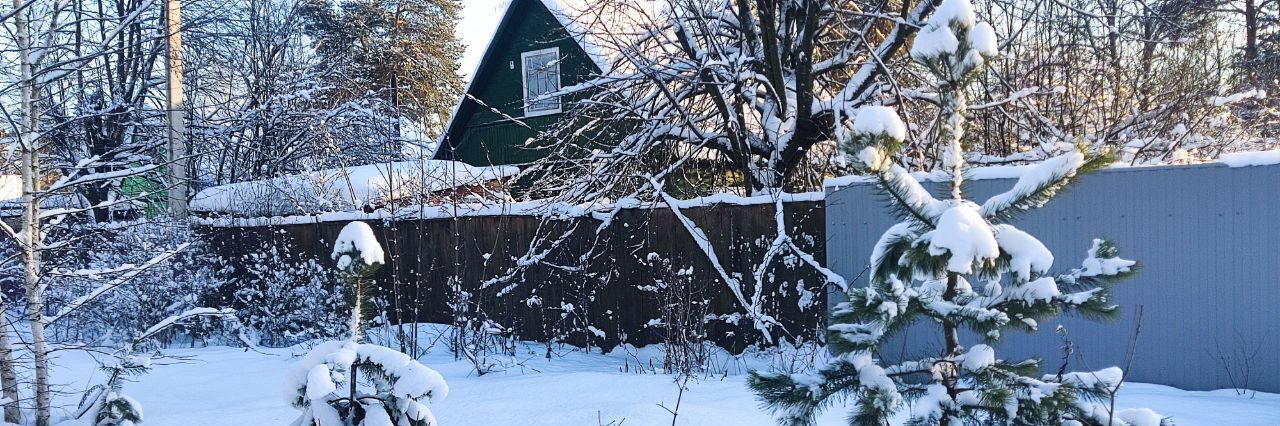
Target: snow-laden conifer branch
[(1041, 183), (401, 393), (1086, 290), (877, 132)]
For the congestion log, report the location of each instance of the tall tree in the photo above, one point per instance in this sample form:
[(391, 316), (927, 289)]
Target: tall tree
[(1259, 64), (266, 105), (95, 106), (754, 84), (1137, 76), (757, 90), (404, 50), (1260, 19)]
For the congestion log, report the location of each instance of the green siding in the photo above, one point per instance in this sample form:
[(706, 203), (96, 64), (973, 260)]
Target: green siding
[(482, 137), (149, 187)]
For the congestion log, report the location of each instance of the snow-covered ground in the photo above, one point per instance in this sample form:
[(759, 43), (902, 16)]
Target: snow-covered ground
[(232, 386)]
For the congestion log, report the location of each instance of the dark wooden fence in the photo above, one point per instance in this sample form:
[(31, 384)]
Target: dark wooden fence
[(584, 285)]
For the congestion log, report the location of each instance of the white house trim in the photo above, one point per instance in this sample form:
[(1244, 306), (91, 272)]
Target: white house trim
[(524, 81)]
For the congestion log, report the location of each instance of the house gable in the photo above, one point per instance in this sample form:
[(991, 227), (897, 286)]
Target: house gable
[(479, 135)]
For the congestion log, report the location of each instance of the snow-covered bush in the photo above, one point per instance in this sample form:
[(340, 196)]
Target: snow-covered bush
[(961, 265), (326, 384), (146, 292), (282, 297)]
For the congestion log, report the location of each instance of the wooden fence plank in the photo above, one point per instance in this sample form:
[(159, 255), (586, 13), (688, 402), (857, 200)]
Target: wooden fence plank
[(604, 289)]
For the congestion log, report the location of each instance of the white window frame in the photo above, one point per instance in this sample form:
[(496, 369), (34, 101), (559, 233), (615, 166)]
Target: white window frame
[(524, 82)]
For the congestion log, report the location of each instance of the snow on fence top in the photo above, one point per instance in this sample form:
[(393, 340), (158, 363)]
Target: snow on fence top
[(343, 189), (534, 208), (1238, 159), (1247, 159)]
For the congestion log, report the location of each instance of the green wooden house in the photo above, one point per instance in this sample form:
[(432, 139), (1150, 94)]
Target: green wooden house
[(534, 51)]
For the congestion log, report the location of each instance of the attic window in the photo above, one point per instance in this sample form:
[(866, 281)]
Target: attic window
[(541, 76)]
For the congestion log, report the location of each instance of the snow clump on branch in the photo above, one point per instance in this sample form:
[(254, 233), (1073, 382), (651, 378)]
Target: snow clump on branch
[(357, 241)]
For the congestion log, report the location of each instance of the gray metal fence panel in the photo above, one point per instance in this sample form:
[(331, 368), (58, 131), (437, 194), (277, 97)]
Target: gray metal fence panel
[(1207, 239)]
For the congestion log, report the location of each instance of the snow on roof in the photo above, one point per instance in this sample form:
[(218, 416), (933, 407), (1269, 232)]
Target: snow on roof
[(340, 189), (565, 13), (13, 206), (569, 15)]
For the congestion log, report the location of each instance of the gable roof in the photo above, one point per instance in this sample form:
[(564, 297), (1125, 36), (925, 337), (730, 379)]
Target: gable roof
[(565, 14), (561, 10)]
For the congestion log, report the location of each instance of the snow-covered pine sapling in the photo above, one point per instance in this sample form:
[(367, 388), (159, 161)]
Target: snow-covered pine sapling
[(348, 383), (109, 406), (962, 266), (358, 256)]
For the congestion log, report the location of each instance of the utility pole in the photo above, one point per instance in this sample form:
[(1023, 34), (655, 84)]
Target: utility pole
[(176, 114)]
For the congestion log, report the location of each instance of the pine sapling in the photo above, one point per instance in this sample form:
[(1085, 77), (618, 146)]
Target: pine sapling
[(108, 405), (962, 266), (358, 256), (326, 384), (111, 406)]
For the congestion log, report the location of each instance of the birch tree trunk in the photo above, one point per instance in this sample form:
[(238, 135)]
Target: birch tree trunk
[(8, 373), (31, 228)]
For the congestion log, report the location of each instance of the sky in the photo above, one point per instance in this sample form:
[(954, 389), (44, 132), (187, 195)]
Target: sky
[(479, 20)]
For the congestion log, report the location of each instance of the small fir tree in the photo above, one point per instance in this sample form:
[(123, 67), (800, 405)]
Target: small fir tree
[(108, 405), (961, 265), (326, 384), (359, 257)]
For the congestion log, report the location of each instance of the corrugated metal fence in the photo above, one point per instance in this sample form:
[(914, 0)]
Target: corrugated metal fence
[(1207, 238)]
